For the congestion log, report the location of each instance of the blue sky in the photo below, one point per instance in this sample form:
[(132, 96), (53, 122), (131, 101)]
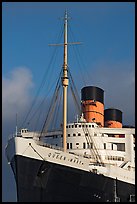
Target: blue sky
[(107, 54)]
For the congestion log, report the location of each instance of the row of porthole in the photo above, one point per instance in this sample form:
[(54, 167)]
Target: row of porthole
[(79, 134), (76, 126), (114, 158), (63, 157)]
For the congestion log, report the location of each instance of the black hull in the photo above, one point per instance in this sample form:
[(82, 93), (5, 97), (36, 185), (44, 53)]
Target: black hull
[(42, 181)]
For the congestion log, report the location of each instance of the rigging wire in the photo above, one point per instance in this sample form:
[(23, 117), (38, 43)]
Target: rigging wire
[(79, 57), (44, 78), (41, 104), (57, 111), (52, 106), (74, 92)]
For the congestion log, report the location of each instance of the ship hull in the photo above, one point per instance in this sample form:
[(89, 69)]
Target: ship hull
[(43, 181)]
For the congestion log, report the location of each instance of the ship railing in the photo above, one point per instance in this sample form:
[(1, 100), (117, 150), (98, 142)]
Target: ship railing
[(14, 135), (48, 145), (55, 147)]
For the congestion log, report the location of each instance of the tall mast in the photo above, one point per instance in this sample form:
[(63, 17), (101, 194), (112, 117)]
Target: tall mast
[(65, 82)]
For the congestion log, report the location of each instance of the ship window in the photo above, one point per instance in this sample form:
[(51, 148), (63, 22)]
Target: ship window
[(74, 134), (92, 125), (104, 145), (69, 126), (89, 125), (75, 126), (77, 143), (86, 126), (67, 145), (79, 126), (121, 146), (84, 145), (70, 145), (83, 125), (72, 126), (86, 134), (79, 134), (68, 135)]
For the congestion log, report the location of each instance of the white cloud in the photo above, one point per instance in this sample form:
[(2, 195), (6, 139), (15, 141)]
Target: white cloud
[(16, 95)]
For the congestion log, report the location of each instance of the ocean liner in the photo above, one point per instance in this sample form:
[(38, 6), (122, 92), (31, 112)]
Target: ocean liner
[(89, 160)]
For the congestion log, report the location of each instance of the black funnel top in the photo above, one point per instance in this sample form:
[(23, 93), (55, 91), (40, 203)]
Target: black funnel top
[(92, 93), (113, 114)]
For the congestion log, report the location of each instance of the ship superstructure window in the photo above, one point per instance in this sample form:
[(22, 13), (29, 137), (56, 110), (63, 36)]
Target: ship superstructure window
[(79, 134), (69, 126), (117, 158), (72, 126), (74, 134), (67, 145), (77, 145), (92, 125), (84, 145), (121, 146), (68, 135), (86, 134), (75, 126), (89, 126), (104, 145), (70, 145), (79, 126)]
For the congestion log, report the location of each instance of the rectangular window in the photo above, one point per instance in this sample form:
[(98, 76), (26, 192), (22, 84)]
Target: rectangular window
[(67, 145), (84, 145), (112, 146), (104, 145), (70, 145)]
